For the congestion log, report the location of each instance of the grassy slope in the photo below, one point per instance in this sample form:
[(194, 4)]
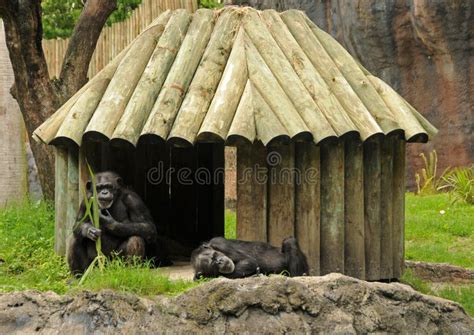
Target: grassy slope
[(28, 262)]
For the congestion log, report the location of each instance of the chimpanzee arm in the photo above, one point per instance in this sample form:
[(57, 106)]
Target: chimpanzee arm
[(84, 229), (244, 268), (245, 264), (140, 222)]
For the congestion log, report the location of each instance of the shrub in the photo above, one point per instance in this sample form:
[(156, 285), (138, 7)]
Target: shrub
[(460, 183)]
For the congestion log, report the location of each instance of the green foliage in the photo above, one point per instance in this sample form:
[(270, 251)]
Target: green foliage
[(427, 180), (60, 16), (460, 183), (230, 224), (438, 231), (461, 294), (133, 276), (210, 4), (27, 259), (418, 284)]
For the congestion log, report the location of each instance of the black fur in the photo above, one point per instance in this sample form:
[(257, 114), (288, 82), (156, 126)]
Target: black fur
[(251, 258)]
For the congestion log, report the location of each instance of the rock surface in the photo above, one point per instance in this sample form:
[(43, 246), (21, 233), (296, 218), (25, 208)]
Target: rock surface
[(423, 49), (267, 305)]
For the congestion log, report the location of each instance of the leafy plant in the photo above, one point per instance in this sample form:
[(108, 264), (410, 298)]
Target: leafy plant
[(92, 213), (427, 181), (210, 4), (460, 183)]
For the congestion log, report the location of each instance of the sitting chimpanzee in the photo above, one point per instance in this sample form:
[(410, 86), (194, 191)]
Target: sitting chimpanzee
[(126, 225), (238, 259)]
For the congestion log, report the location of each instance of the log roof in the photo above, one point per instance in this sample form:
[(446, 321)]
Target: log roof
[(229, 75)]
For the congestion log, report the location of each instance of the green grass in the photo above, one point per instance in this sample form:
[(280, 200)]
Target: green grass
[(230, 224), (435, 237)]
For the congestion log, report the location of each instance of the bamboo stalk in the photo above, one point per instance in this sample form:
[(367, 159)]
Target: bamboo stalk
[(203, 86), (243, 124), (324, 64), (266, 84), (123, 83), (287, 78), (154, 75), (224, 105), (164, 111)]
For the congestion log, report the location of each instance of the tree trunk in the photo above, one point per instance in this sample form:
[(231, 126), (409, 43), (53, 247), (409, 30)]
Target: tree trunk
[(37, 95)]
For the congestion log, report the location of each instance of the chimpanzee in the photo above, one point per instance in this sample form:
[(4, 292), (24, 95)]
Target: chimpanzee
[(126, 225), (239, 259)]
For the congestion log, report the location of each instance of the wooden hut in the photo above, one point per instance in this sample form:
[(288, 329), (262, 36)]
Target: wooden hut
[(320, 141)]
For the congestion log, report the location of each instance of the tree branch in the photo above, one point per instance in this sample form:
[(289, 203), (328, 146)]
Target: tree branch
[(82, 44)]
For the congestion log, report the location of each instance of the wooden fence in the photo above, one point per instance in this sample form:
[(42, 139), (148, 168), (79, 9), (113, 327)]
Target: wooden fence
[(114, 38)]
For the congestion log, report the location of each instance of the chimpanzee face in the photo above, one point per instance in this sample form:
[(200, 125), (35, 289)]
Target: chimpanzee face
[(108, 184), (211, 263)]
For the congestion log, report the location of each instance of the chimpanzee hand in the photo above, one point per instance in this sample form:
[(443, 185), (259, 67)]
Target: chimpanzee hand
[(92, 232), (106, 220)]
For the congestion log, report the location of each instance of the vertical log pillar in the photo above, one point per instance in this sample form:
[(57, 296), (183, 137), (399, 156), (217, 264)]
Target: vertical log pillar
[(72, 192), (307, 203), (354, 250), (252, 192), (60, 199), (281, 193), (332, 206), (218, 190), (372, 194), (386, 212), (398, 208)]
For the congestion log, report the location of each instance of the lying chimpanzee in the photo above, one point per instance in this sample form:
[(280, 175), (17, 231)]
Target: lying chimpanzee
[(126, 225), (238, 259)]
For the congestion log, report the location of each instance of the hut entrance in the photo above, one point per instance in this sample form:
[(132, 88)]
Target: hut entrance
[(182, 187)]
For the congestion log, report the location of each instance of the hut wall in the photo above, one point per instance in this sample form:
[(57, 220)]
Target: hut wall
[(345, 205)]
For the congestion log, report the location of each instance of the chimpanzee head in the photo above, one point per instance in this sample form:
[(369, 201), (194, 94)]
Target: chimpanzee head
[(108, 186), (208, 262)]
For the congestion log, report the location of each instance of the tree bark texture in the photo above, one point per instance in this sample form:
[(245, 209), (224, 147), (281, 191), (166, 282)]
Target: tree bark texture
[(423, 49), (37, 95)]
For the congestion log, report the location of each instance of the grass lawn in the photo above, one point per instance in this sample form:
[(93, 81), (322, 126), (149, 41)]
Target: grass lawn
[(27, 260)]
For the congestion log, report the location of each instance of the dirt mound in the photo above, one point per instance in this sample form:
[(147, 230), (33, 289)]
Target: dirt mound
[(269, 305)]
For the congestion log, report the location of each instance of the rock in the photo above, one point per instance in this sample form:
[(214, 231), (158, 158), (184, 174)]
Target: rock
[(441, 272), (265, 305), (423, 49)]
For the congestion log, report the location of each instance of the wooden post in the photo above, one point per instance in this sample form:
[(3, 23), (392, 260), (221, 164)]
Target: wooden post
[(60, 199), (332, 206), (281, 192), (307, 203), (218, 190), (354, 252), (372, 194), (398, 208), (252, 192), (386, 212), (72, 192)]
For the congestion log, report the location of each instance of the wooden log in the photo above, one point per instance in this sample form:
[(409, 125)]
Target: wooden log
[(332, 206), (267, 125), (141, 102), (224, 105), (386, 210), (400, 111), (287, 78), (267, 85), (372, 194), (179, 77), (203, 86), (281, 192), (356, 78), (252, 192), (332, 110), (354, 250), (324, 64), (307, 203), (60, 199), (398, 208), (72, 192), (243, 124), (123, 83)]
